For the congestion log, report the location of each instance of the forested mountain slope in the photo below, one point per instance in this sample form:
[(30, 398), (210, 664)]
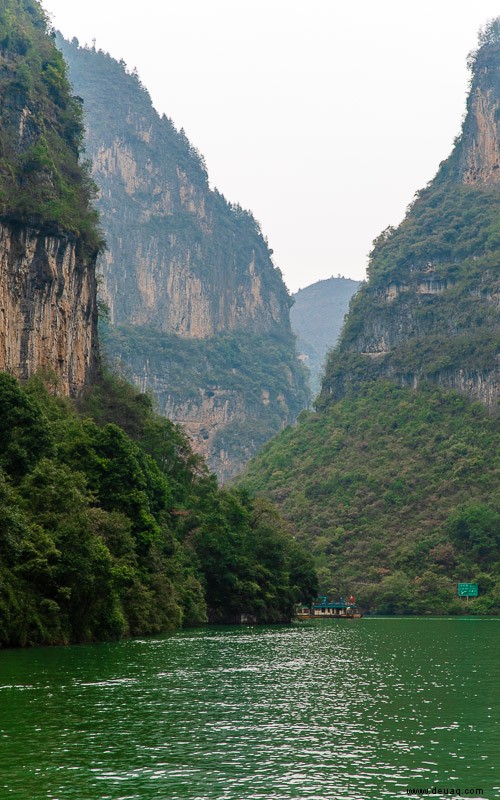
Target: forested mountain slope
[(317, 316), (110, 526), (187, 276), (394, 481), (396, 492)]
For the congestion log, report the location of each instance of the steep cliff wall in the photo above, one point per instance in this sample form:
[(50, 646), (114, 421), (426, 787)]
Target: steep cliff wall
[(183, 262), (179, 256), (430, 310), (49, 236), (231, 392), (479, 151), (47, 308)]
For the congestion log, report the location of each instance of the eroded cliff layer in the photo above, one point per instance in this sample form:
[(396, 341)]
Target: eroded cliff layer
[(430, 310), (48, 316), (199, 314)]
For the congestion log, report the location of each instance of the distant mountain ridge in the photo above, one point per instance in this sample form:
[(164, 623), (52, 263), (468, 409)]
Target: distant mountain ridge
[(317, 316), (196, 305)]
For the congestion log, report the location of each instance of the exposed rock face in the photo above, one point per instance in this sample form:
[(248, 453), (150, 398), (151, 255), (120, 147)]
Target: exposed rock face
[(231, 392), (205, 416), (225, 425), (49, 233), (179, 256), (480, 154), (183, 262), (48, 317), (413, 336), (430, 311), (193, 285), (480, 385)]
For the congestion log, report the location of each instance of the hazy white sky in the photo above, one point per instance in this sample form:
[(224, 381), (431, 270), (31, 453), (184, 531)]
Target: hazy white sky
[(321, 116)]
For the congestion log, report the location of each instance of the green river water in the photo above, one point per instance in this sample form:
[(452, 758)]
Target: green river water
[(329, 710)]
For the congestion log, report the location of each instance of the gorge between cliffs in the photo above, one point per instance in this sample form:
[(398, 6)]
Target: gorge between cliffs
[(386, 489), (178, 510)]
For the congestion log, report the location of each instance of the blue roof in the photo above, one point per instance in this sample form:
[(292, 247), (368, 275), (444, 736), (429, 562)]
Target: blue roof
[(325, 604)]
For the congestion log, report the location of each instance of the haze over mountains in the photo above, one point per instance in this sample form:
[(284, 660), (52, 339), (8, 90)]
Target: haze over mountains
[(317, 316)]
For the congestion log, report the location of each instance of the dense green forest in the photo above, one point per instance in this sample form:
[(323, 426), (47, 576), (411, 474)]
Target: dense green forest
[(110, 526), (396, 492), (41, 131)]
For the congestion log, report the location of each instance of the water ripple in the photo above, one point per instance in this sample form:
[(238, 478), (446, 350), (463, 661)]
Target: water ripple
[(327, 711)]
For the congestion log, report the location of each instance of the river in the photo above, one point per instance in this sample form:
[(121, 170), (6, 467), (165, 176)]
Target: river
[(333, 710)]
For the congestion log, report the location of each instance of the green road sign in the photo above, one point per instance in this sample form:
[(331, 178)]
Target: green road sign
[(468, 590)]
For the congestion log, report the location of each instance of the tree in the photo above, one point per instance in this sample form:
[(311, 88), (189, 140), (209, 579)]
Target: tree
[(24, 433)]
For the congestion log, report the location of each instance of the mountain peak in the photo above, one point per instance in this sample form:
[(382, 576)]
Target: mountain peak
[(479, 162), (430, 309)]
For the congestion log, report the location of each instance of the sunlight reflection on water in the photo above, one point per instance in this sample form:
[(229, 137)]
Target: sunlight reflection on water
[(332, 711)]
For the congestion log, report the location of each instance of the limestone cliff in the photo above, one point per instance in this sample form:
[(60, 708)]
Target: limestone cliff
[(179, 256), (231, 392), (49, 236), (479, 151), (47, 308), (430, 311), (183, 262)]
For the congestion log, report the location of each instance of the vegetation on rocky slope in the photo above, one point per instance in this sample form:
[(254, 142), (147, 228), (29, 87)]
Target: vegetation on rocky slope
[(394, 483), (430, 307), (110, 526), (257, 373), (450, 240), (396, 492), (41, 131)]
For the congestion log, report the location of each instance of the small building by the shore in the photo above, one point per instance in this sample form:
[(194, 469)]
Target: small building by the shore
[(323, 607)]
